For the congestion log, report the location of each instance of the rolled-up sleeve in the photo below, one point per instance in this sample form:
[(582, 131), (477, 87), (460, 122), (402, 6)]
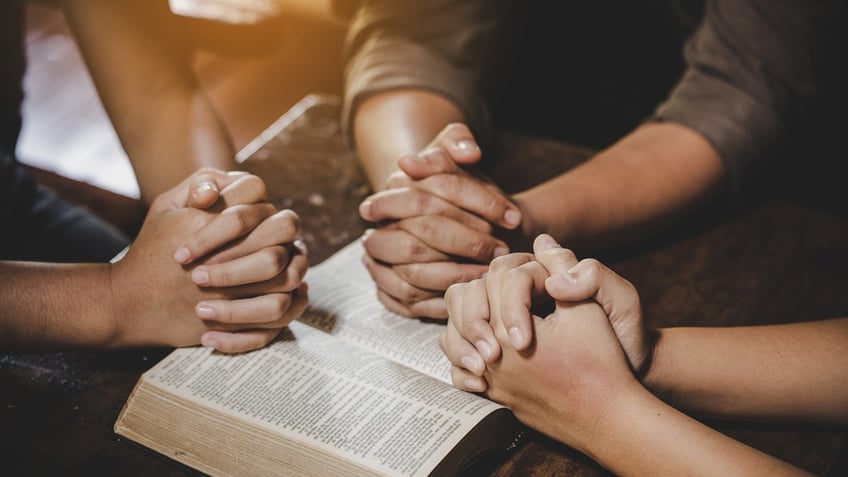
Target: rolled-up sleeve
[(750, 72), (437, 45)]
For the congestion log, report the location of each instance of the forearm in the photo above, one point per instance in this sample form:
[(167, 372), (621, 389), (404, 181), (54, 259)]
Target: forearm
[(391, 124), (787, 373), (50, 306), (646, 179), (141, 65), (641, 435)]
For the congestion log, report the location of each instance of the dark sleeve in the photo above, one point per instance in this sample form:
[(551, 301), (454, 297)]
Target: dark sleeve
[(751, 69), (437, 45)]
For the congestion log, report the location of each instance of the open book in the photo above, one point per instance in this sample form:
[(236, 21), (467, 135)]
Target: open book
[(350, 389)]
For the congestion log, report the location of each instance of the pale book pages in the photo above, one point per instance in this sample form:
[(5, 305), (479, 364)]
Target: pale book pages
[(336, 403), (342, 302)]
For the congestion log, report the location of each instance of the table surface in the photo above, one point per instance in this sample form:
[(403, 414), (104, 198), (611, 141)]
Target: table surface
[(765, 262)]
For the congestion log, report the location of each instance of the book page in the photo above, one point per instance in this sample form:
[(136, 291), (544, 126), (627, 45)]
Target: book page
[(312, 387), (343, 302)]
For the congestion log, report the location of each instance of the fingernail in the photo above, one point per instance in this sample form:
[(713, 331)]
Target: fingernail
[(485, 349), (545, 242), (301, 247), (466, 145), (208, 342), (500, 251), (365, 209), (512, 217), (473, 364), (474, 384), (204, 186), (205, 312), (200, 276), (367, 234), (182, 255), (516, 337)]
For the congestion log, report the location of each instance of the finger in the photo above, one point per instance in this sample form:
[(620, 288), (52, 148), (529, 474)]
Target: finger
[(203, 189), (239, 342), (245, 189), (181, 195), (236, 342), (494, 286), (398, 179), (281, 228), (290, 278), (390, 283), (452, 238), (452, 147), (466, 381), (518, 288), (431, 308), (439, 275), (457, 139), (552, 256), (259, 266), (460, 352), (264, 311), (592, 279), (409, 202), (429, 162), (231, 224), (399, 246), (469, 313), (206, 184), (475, 196)]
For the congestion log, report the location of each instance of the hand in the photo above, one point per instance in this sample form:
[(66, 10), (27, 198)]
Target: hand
[(508, 297), (436, 226), (562, 381), (573, 376), (243, 257), (590, 279), (469, 339)]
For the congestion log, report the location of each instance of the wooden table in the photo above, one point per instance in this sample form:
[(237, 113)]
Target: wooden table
[(766, 262)]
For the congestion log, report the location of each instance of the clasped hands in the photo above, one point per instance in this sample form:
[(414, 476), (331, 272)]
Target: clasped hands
[(436, 225), (561, 373), (214, 263)]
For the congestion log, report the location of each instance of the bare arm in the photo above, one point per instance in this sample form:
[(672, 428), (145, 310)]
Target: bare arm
[(141, 64), (394, 123), (575, 383), (45, 305), (793, 372), (644, 180), (229, 279)]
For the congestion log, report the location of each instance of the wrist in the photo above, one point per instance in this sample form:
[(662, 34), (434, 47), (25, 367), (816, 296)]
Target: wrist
[(651, 370), (119, 309)]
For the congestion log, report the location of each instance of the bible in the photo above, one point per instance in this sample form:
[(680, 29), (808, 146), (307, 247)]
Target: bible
[(348, 389)]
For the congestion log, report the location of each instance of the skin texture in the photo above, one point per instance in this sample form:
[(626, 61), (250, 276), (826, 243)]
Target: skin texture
[(576, 380), (438, 210), (213, 264)]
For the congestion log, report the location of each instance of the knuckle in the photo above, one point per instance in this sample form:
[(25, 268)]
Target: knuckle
[(416, 250), (411, 273), (423, 202), (594, 269), (239, 217), (256, 184), (281, 302), (479, 247), (276, 257), (221, 275)]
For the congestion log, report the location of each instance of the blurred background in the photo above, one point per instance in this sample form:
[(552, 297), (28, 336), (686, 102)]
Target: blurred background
[(255, 63)]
